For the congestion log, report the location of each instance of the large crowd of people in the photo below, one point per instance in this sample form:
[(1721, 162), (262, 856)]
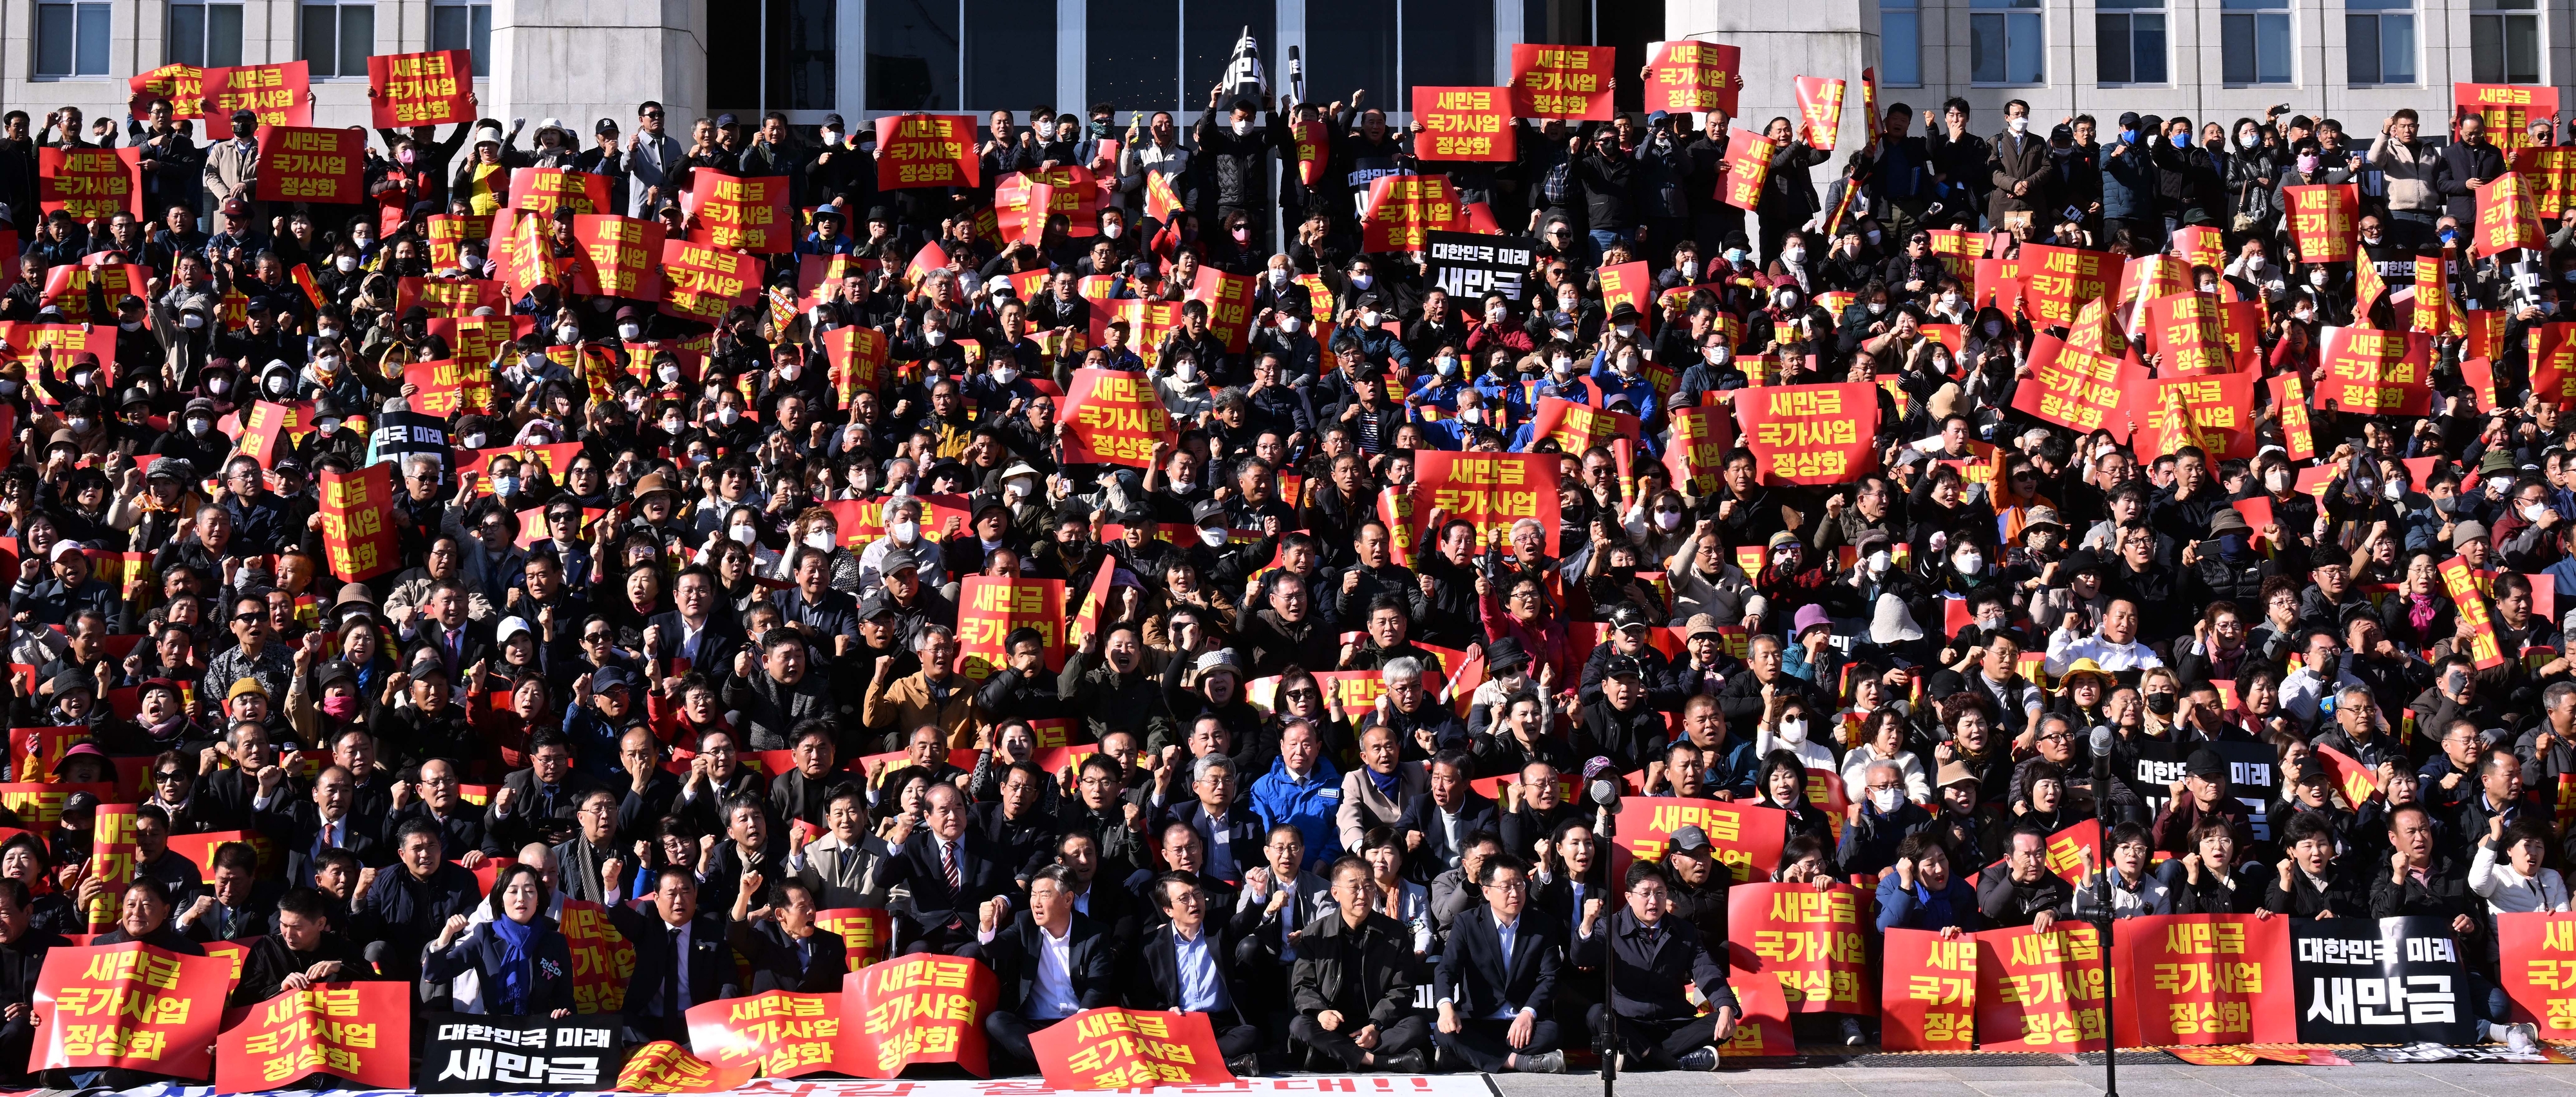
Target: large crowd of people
[(1943, 644)]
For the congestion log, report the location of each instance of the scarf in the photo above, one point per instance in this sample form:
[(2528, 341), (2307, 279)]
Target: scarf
[(517, 976), (1933, 907), (1386, 782), (2419, 611)]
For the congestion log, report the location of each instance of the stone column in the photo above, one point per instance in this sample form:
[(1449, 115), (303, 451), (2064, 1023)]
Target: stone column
[(1782, 41), (583, 60)]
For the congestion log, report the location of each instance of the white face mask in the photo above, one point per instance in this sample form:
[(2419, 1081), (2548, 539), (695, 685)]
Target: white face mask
[(1878, 308), (2533, 512), (130, 325), (1371, 319), (1690, 269), (1003, 375), (630, 332), (1626, 331), (1446, 364), (474, 441), (1471, 415), (1880, 561), (819, 540), (1968, 563), (1668, 519), (329, 427), (1185, 370), (2499, 484), (1212, 536), (1884, 799), (2393, 490), (1562, 366), (1112, 230), (1568, 304), (1793, 255), (2316, 278), (1184, 487), (1290, 324), (200, 425), (566, 333), (728, 416), (1714, 355), (1020, 488), (1242, 126), (789, 371), (1949, 300), (2018, 125), (505, 486), (670, 374), (1363, 281), (81, 424), (2276, 480), (279, 384), (1793, 730), (934, 336), (215, 385), (346, 263), (2249, 139), (191, 321), (904, 533)]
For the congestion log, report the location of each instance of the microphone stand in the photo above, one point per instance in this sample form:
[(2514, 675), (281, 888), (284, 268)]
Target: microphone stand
[(2106, 915), (1604, 830)]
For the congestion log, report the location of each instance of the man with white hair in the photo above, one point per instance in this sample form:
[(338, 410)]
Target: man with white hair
[(1423, 725), (903, 531)]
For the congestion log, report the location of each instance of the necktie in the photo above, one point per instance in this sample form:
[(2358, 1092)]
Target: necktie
[(679, 972), (948, 861)]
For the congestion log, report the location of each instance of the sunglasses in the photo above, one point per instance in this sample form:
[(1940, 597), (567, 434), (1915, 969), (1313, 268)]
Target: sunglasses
[(247, 618)]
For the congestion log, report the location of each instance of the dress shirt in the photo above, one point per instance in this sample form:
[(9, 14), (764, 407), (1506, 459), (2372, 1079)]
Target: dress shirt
[(1201, 990)]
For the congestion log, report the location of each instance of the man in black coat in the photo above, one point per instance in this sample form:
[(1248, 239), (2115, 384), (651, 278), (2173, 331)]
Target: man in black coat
[(2021, 891), (22, 956), (437, 797), (409, 904), (1651, 957), (304, 951), (307, 828), (796, 954), (952, 875), (2464, 165), (538, 803), (1033, 996), (694, 631), (1351, 986), (1024, 832), (1228, 829), (1435, 826), (681, 958), (1189, 967), (1496, 983)]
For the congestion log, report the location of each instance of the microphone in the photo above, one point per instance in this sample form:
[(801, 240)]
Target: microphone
[(2102, 741), (1601, 782)]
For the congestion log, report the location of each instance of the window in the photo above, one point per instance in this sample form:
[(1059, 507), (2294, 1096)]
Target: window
[(71, 39), (2131, 47), (2504, 43), (2006, 43), (2379, 41), (912, 55), (1135, 58), (1208, 36), (338, 38), (205, 35), (1900, 44), (1010, 56), (1447, 45), (463, 27), (2257, 36), (800, 55), (1358, 54)]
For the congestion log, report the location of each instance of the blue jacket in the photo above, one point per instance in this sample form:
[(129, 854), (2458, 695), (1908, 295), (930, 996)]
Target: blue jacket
[(2128, 181), (1902, 908), (479, 950), (1308, 805)]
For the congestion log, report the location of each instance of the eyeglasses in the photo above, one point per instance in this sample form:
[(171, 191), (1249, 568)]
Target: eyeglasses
[(173, 775), (594, 637), (247, 618)]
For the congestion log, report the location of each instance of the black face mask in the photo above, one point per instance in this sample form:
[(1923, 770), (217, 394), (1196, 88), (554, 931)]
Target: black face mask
[(2163, 704)]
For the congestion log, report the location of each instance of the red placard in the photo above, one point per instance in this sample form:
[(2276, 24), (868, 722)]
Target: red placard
[(1313, 147), (1927, 991), (2074, 388), (2371, 372), (1115, 1048), (1229, 303), (990, 609), (421, 89), (2041, 991), (618, 257), (2508, 217), (779, 1033), (1959, 250), (2214, 412), (1463, 124), (1403, 209), (2198, 245), (1696, 445), (280, 94), (666, 1067), (703, 282), (919, 1009), (263, 431), (183, 85), (131, 1006), (1577, 428), (1746, 169), (1113, 417), (858, 358), (747, 213), (1070, 191), (926, 150), (1561, 82), (1820, 110), (450, 296), (2463, 586), (1810, 434), (448, 386), (1694, 76), (300, 164), (2290, 404), (34, 751), (1490, 491), (2435, 312), (1810, 940), (865, 932), (2479, 375), (2057, 281), (2551, 172), (542, 191), (2182, 331), (2553, 362), (2321, 221), (67, 288), (354, 531), (112, 851), (2204, 979), (360, 1031), (2507, 109), (1745, 837), (90, 183), (2537, 953), (448, 231)]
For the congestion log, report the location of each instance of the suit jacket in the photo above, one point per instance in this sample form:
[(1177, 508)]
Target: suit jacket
[(817, 970), (1161, 987), (1438, 854), (474, 647), (844, 876), (1027, 844), (1363, 806), (460, 830), (710, 976), (1013, 955), (716, 645), (981, 876), (1244, 833), (1646, 983), (534, 816), (299, 830), (794, 796), (1469, 966)]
